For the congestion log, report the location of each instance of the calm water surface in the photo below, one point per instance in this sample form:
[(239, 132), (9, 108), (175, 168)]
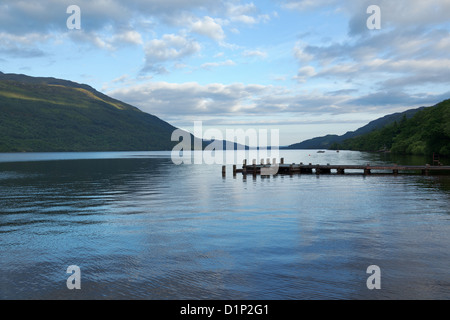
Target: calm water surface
[(140, 227)]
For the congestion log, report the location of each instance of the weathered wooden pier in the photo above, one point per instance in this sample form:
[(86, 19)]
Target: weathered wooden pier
[(268, 168)]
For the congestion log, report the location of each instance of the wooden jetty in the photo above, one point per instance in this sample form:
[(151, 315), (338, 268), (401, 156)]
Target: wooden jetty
[(274, 168)]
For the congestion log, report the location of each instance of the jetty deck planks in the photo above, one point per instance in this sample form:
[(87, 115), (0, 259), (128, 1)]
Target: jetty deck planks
[(339, 169)]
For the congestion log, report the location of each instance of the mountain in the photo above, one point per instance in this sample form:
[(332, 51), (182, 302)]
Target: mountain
[(425, 133), (47, 115), (328, 141)]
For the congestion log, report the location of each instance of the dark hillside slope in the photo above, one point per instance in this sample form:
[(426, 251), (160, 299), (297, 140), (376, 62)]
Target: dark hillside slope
[(427, 132), (329, 141), (48, 114)]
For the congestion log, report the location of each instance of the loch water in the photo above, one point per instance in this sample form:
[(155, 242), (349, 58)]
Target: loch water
[(140, 227)]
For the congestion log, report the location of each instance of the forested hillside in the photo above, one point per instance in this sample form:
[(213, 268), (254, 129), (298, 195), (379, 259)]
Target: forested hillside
[(47, 114), (427, 132)]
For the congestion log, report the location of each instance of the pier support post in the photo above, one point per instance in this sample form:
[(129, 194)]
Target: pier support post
[(234, 170), (318, 170), (224, 171), (282, 161), (426, 172), (340, 171)]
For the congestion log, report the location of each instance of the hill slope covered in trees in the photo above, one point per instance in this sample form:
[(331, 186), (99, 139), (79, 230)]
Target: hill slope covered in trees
[(330, 140), (427, 132), (48, 114)]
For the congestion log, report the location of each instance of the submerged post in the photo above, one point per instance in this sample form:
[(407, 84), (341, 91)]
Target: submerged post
[(318, 171)]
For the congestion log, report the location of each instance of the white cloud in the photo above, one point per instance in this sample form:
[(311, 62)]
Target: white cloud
[(170, 47), (406, 54), (207, 26), (254, 53), (23, 45), (173, 101), (189, 99), (299, 53), (304, 73), (303, 5), (130, 36), (210, 65), (241, 13), (245, 13)]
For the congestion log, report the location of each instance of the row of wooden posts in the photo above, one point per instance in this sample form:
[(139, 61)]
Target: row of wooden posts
[(236, 170)]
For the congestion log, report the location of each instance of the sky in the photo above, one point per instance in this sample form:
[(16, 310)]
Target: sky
[(306, 68)]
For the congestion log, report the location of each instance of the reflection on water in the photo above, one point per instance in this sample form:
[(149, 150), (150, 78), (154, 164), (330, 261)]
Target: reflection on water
[(140, 227)]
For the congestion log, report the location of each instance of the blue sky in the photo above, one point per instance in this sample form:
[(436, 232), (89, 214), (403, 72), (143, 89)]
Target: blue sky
[(307, 68)]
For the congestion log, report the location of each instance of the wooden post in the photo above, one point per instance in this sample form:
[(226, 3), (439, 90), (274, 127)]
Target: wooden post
[(282, 161), (234, 170), (224, 171)]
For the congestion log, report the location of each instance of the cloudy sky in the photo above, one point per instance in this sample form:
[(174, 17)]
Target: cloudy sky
[(305, 67)]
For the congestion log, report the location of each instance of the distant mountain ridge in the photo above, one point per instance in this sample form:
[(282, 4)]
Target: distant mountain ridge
[(328, 141)]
